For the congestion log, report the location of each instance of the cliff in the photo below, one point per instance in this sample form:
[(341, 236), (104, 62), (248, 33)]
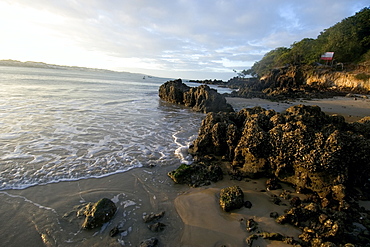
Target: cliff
[(359, 81), (303, 82)]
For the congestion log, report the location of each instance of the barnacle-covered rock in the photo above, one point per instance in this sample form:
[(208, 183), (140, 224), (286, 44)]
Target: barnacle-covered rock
[(302, 146), (231, 198), (201, 99)]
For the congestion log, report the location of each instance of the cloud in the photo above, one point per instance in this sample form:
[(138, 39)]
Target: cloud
[(177, 36)]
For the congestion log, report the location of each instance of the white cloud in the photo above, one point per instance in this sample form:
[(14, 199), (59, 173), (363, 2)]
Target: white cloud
[(187, 37)]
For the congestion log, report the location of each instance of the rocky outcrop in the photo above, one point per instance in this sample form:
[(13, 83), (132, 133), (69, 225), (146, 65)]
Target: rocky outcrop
[(303, 146), (338, 79), (201, 99), (98, 213), (302, 82), (326, 226)]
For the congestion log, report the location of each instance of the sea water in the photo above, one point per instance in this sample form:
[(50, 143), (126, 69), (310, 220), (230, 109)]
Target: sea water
[(70, 124)]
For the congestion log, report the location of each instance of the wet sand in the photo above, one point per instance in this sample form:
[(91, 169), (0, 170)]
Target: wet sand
[(34, 216)]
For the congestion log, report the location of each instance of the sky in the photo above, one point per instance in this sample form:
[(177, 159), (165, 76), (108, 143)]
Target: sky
[(191, 39)]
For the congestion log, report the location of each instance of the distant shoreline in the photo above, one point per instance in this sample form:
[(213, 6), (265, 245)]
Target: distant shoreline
[(42, 65)]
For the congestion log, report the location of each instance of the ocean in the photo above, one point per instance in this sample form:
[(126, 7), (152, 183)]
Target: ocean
[(73, 136), (63, 125)]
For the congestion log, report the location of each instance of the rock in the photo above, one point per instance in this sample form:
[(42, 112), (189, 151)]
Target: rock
[(173, 91), (276, 200), (157, 227), (115, 231), (299, 81), (247, 204), (250, 239), (231, 198), (201, 99), (151, 242), (295, 201), (98, 213), (205, 99), (197, 174), (303, 146), (251, 225), (272, 236), (274, 215), (272, 184), (152, 217)]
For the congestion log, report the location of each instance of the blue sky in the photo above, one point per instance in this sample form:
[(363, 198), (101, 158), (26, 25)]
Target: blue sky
[(194, 39)]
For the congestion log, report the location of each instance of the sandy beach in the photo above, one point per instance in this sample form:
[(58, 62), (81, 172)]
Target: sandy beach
[(352, 108), (43, 215)]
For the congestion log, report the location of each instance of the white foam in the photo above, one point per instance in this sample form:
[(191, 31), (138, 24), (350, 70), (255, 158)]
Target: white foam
[(70, 131), (29, 201)]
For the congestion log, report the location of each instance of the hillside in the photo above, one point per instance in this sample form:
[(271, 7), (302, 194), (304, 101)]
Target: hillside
[(302, 71), (348, 39)]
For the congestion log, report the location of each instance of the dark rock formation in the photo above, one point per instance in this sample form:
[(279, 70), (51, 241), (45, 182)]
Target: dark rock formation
[(328, 227), (98, 213), (272, 184), (248, 204), (251, 225), (197, 174), (298, 81), (151, 242), (270, 236), (231, 198), (152, 217), (201, 99), (157, 227), (173, 91), (116, 230), (209, 81), (303, 146)]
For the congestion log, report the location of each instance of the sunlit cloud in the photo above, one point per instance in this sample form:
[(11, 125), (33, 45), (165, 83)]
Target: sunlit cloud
[(169, 38)]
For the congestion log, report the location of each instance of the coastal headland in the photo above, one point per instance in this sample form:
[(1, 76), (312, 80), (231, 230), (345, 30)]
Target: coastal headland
[(42, 215), (321, 154)]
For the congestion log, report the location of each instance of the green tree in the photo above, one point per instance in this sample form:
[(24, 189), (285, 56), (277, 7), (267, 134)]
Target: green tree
[(275, 58), (348, 39)]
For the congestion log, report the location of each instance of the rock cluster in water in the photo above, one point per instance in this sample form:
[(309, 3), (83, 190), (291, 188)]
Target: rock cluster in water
[(201, 99), (303, 146)]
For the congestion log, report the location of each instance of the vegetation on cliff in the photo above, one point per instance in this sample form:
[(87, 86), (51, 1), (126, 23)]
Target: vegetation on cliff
[(348, 39)]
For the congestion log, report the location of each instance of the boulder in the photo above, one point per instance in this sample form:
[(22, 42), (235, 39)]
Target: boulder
[(205, 99), (231, 198), (201, 99), (196, 174), (98, 213), (173, 91)]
